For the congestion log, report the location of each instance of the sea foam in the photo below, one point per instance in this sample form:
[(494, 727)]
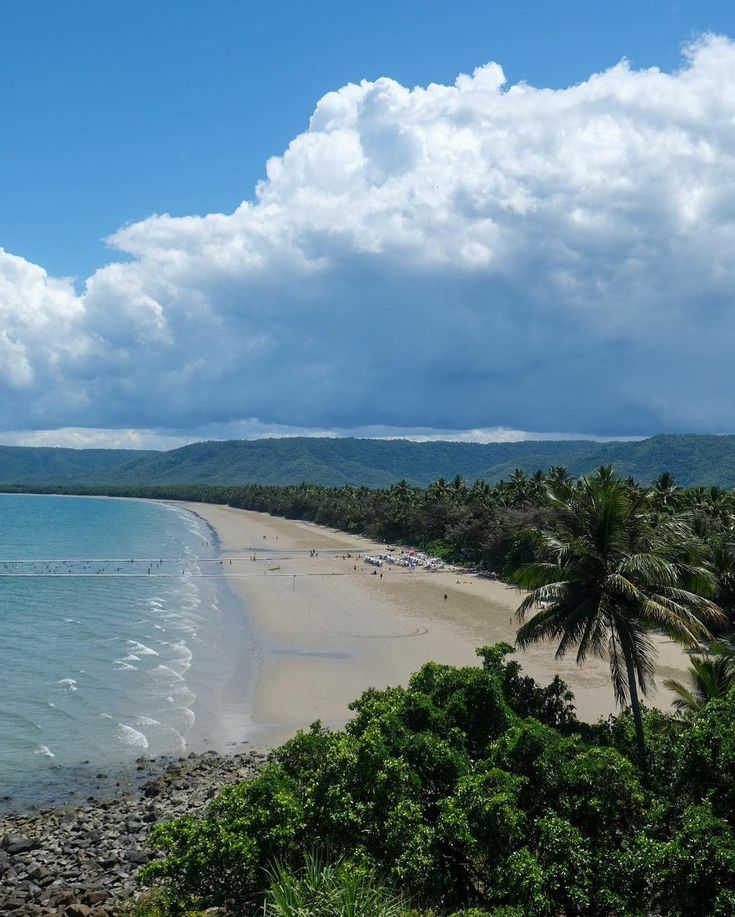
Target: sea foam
[(130, 736), (141, 648)]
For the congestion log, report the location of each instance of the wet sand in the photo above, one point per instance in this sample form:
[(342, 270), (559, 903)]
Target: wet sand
[(321, 631)]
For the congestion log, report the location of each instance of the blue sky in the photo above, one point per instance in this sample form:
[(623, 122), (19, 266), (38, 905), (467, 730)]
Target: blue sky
[(113, 112)]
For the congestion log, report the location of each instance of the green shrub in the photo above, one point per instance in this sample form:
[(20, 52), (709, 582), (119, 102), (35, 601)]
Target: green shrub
[(454, 794), (441, 549)]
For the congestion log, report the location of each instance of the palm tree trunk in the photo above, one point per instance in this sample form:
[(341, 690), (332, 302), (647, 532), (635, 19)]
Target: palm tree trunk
[(635, 706)]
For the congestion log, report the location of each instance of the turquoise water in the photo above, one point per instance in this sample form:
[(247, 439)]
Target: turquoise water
[(96, 669)]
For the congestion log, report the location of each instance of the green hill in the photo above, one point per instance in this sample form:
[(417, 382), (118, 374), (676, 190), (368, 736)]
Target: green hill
[(692, 459), (48, 465)]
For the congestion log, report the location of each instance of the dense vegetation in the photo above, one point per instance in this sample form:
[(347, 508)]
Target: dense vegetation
[(51, 465), (473, 787), (695, 460), (475, 790)]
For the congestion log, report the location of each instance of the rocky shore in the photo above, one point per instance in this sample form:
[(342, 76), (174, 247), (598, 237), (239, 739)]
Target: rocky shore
[(82, 861)]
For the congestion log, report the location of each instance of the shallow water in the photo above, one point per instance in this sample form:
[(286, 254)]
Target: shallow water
[(98, 662)]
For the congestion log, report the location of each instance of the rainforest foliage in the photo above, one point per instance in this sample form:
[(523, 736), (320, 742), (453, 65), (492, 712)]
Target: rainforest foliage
[(475, 787)]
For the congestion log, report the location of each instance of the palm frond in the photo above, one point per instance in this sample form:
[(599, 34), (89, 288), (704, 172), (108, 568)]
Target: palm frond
[(531, 576), (685, 701), (552, 593), (618, 670), (649, 569), (545, 625)]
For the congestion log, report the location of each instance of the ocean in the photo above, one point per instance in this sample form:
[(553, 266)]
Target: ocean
[(113, 644)]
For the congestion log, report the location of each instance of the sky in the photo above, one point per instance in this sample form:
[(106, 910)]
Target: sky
[(464, 220)]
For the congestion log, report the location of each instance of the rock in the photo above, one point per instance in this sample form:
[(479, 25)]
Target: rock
[(78, 910), (18, 844), (36, 871), (139, 857), (82, 858)]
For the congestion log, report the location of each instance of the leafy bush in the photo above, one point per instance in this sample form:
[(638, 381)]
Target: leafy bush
[(440, 548), (461, 798)]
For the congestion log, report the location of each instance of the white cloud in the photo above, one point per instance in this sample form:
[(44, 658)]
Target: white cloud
[(95, 438), (461, 257), (91, 438)]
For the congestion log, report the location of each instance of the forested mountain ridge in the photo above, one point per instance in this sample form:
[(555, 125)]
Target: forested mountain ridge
[(53, 465), (693, 459)]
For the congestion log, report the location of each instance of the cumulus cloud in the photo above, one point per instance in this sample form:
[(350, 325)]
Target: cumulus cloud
[(459, 257)]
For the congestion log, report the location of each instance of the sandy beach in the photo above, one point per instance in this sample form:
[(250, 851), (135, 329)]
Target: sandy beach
[(323, 628)]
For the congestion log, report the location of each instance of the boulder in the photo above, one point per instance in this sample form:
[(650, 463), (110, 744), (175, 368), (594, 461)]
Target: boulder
[(16, 843)]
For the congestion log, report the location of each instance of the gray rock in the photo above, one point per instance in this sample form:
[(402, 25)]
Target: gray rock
[(140, 857), (36, 871), (18, 844)]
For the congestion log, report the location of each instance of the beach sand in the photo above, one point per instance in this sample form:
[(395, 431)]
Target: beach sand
[(321, 631)]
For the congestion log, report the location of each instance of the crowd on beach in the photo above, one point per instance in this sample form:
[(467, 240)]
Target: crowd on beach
[(408, 558)]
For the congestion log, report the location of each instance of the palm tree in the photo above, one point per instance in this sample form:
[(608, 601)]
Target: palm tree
[(482, 493), (559, 479), (722, 564), (439, 489), (537, 486), (665, 492), (609, 580), (710, 677), (517, 487), (457, 488)]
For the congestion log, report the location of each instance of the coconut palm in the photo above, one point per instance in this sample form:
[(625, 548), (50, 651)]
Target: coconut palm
[(664, 492), (710, 677), (559, 479), (517, 488), (439, 490), (481, 493), (458, 488), (609, 581), (722, 564)]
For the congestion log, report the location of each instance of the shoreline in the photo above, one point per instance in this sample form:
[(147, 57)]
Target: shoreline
[(314, 633), (82, 859), (219, 677), (300, 637), (215, 675), (324, 629)]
